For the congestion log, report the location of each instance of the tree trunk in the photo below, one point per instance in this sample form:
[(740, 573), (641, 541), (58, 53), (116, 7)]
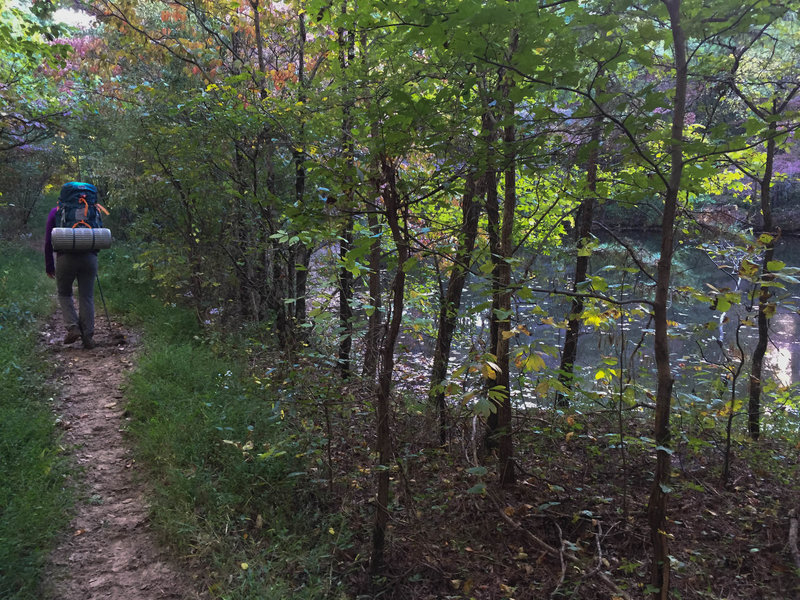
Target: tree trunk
[(582, 234), (493, 222), (504, 294), (657, 505), (383, 441), (279, 294), (346, 53), (345, 296), (302, 255), (499, 426), (374, 320), (448, 311), (764, 294)]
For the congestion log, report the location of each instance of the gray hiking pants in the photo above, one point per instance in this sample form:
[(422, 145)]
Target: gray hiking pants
[(83, 267)]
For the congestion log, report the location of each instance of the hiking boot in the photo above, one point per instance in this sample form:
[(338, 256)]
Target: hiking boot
[(89, 343), (73, 335)]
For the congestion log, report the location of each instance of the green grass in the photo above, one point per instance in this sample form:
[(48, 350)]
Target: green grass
[(227, 461), (34, 502)]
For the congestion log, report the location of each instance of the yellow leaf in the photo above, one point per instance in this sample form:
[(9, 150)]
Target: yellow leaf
[(468, 585), (535, 363), (245, 566), (508, 334), (495, 366), (569, 435)]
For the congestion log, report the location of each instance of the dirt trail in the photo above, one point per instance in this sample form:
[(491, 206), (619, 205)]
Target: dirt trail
[(110, 551)]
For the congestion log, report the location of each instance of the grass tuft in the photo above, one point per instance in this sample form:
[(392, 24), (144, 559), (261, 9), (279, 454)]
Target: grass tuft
[(227, 465), (34, 500)]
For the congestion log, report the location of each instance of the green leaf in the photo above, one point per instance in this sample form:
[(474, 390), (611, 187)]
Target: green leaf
[(410, 264), (775, 265), (478, 471), (722, 305), (599, 284), (478, 488)]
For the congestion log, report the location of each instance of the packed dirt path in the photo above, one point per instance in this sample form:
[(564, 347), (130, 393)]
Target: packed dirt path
[(110, 551)]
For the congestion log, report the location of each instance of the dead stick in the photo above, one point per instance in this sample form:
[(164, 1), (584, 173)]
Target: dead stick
[(563, 564), (556, 553), (793, 525)]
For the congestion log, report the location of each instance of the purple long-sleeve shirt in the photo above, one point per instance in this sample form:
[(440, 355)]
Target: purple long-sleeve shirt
[(49, 261)]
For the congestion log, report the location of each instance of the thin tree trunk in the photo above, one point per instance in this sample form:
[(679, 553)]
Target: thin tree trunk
[(345, 296), (764, 295), (383, 442), (375, 318), (499, 426), (582, 234), (505, 292), (346, 54), (302, 255), (493, 227), (279, 294), (657, 504), (448, 312)]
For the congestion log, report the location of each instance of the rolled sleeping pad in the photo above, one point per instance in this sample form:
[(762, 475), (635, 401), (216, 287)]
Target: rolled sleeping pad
[(80, 239)]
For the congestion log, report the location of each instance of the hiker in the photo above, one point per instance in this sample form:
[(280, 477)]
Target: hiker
[(66, 268)]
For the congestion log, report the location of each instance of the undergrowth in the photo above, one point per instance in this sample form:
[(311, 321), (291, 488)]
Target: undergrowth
[(34, 501), (228, 465), (264, 475)]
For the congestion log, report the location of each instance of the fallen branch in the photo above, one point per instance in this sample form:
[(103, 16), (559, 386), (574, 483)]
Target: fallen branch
[(563, 564), (793, 526), (559, 553)]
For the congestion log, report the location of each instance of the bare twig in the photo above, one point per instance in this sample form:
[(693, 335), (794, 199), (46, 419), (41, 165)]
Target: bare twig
[(561, 559), (558, 552)]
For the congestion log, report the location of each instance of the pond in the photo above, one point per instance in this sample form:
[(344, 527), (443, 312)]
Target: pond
[(705, 341)]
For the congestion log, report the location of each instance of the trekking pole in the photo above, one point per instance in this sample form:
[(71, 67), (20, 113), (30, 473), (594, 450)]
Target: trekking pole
[(108, 319)]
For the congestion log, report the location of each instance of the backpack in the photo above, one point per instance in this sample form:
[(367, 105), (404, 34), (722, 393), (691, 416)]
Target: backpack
[(78, 207)]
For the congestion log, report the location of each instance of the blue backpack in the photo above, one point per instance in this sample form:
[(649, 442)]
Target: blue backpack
[(78, 207)]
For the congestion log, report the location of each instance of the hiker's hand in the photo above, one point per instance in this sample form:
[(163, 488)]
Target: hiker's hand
[(51, 275)]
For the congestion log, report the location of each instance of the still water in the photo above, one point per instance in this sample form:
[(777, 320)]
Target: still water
[(705, 342)]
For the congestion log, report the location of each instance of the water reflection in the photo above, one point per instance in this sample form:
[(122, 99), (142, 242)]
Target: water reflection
[(699, 335), (782, 355)]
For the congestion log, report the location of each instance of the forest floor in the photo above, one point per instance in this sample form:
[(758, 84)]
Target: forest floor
[(575, 524), (573, 527), (110, 551)]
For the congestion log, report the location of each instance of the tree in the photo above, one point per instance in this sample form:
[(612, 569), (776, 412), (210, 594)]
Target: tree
[(768, 88), (657, 505)]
